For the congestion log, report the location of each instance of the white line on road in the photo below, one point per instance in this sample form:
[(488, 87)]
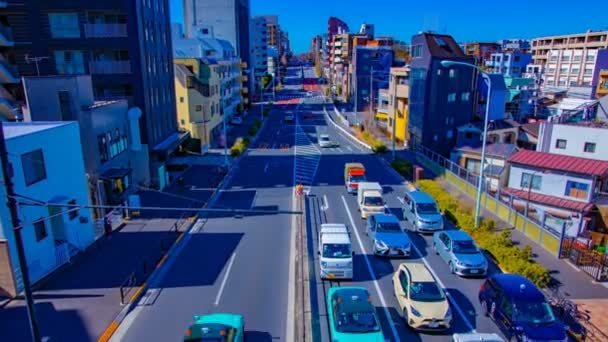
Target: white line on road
[(454, 304), (325, 203), (219, 294), (371, 273), (349, 148), (340, 150), (266, 168)]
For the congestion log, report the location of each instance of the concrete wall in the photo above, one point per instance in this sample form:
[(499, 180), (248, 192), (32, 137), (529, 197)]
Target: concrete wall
[(552, 184), (576, 137)]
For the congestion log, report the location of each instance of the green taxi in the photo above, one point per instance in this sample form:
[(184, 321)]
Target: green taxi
[(352, 317), (219, 327)]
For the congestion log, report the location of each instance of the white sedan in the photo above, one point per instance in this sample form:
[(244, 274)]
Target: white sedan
[(325, 141)]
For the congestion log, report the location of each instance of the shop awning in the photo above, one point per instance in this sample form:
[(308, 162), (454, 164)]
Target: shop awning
[(381, 116)]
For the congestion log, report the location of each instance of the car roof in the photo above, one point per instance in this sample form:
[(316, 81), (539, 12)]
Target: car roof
[(324, 135), (385, 218), (457, 235), (354, 299), (477, 337), (512, 286), (340, 230), (418, 272), (420, 196)]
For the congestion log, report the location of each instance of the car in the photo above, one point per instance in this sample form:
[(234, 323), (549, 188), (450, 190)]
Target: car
[(387, 237), (352, 316), (309, 94), (476, 337), (325, 141), (288, 117), (421, 213), (460, 252), (422, 301), (519, 309), (236, 120), (216, 327)]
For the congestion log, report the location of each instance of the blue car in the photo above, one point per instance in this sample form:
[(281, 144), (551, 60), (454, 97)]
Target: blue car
[(387, 237), (520, 309)]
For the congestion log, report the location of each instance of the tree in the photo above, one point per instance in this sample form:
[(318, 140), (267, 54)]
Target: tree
[(266, 79)]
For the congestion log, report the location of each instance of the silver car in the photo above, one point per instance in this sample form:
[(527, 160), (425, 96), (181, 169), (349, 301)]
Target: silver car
[(461, 253)]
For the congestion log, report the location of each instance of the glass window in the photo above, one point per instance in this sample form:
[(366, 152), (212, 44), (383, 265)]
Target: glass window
[(426, 291), (526, 178), (451, 97), (33, 167), (465, 96), (590, 147), (560, 144), (452, 73), (64, 25), (577, 190), (337, 250), (533, 312), (388, 227), (40, 230), (69, 62)]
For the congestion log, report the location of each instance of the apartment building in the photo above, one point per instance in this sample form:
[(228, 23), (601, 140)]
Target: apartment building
[(259, 50), (511, 64), (334, 26), (584, 139), (590, 40), (399, 93), (370, 73), (575, 67), (480, 51), (127, 57), (515, 45), (274, 33)]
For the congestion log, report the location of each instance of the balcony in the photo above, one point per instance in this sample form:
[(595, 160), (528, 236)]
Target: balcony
[(8, 73), (110, 67), (6, 36), (338, 60), (105, 30)]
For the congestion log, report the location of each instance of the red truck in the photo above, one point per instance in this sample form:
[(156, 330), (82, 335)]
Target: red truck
[(354, 173)]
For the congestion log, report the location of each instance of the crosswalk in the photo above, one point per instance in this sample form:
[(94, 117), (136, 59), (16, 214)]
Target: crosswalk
[(306, 159)]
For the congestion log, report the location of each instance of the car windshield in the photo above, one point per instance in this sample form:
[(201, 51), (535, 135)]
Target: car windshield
[(336, 250), (426, 291), (357, 322), (426, 208), (373, 201), (537, 312), (388, 227), (356, 179), (324, 138), (465, 247)]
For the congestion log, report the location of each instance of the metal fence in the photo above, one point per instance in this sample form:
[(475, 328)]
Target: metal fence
[(592, 262), (544, 229)]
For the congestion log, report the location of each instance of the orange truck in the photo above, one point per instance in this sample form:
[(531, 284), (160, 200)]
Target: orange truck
[(354, 173)]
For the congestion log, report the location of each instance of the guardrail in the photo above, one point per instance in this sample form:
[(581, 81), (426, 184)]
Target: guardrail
[(350, 135)]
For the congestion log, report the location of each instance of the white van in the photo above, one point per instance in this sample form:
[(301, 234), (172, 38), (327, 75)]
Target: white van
[(420, 212), (369, 199), (335, 252)]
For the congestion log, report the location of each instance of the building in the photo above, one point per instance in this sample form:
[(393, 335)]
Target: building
[(334, 26), (481, 51), (126, 58), (511, 64), (582, 42), (197, 84), (273, 33), (522, 101), (575, 67), (229, 19), (341, 58), (259, 50), (47, 168), (584, 139), (469, 158), (602, 83), (285, 44), (367, 30), (563, 192), (399, 93), (515, 45), (441, 98), (498, 97), (115, 161), (370, 68)]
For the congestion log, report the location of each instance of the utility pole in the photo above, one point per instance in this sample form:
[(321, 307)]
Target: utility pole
[(12, 206), (394, 113), (371, 92)]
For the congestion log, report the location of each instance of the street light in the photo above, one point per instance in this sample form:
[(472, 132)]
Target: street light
[(485, 75)]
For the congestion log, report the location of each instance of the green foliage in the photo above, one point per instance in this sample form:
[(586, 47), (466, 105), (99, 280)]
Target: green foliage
[(326, 91), (266, 79), (339, 89), (376, 144), (240, 145), (499, 245), (252, 131), (257, 124), (403, 167)]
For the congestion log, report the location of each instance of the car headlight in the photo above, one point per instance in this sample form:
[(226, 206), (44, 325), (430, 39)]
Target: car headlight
[(459, 263), (323, 264), (380, 245), (448, 314), (415, 312)]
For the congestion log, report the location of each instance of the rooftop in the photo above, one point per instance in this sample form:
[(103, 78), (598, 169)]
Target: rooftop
[(496, 149), (517, 286), (17, 129), (551, 201), (98, 104), (443, 46), (418, 272), (560, 162), (531, 128)]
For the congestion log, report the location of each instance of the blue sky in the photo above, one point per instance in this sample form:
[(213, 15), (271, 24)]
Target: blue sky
[(476, 21)]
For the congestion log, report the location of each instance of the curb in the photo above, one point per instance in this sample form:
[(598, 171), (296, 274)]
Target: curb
[(114, 325), (344, 131)]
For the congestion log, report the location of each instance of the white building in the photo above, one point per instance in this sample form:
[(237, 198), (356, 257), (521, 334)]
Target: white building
[(587, 139), (561, 190), (48, 167), (574, 67), (259, 48)]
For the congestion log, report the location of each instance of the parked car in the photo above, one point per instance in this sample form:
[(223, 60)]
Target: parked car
[(216, 327), (476, 337), (387, 237), (461, 253), (325, 141), (421, 299), (519, 309), (352, 316), (421, 213), (236, 120)]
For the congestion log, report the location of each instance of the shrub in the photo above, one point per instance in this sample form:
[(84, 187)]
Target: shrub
[(376, 145), (266, 111), (499, 245), (239, 146), (403, 167), (252, 130)]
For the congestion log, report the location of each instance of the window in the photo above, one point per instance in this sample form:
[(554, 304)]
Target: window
[(590, 58), (64, 25), (103, 149), (562, 83), (416, 51), (563, 70), (577, 58), (561, 144), (575, 71), (451, 97), (33, 167), (577, 190), (452, 73), (528, 180), (198, 108), (182, 121), (516, 70), (73, 212), (588, 71), (69, 62), (516, 58), (40, 230), (465, 96), (181, 99), (589, 147), (65, 105)]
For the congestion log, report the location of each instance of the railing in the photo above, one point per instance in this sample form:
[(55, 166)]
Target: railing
[(110, 67), (592, 262), (7, 35), (105, 30)]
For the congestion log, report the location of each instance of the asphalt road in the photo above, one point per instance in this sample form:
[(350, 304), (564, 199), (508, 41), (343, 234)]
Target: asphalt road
[(232, 264), (329, 202)]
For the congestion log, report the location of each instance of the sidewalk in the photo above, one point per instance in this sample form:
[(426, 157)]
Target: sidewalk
[(233, 131), (78, 302)]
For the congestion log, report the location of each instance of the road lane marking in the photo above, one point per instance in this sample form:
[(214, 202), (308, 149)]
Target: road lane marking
[(454, 304), (372, 274), (325, 205), (219, 294), (266, 167), (349, 148)]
